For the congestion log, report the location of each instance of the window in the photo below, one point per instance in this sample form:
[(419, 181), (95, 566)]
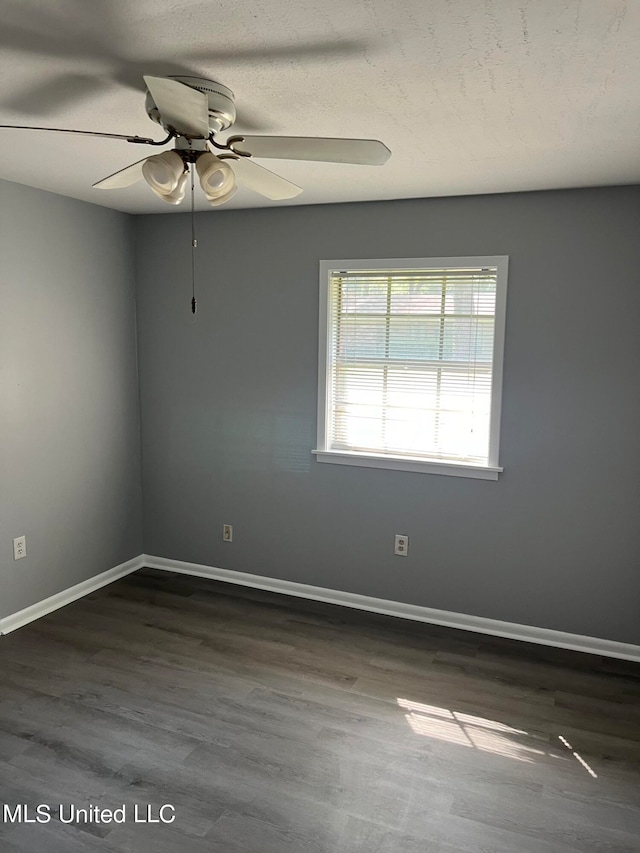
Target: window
[(411, 364)]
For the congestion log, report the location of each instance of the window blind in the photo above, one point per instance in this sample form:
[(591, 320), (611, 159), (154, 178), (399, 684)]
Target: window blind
[(410, 362)]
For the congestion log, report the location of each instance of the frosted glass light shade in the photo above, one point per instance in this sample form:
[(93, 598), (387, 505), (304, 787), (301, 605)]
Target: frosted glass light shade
[(214, 202), (178, 194), (163, 172), (216, 178)]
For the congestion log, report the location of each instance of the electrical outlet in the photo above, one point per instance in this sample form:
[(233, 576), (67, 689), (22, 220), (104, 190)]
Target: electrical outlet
[(227, 532), (19, 547), (402, 545)]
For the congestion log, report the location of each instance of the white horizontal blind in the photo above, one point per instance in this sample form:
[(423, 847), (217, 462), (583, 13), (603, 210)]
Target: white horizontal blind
[(410, 362)]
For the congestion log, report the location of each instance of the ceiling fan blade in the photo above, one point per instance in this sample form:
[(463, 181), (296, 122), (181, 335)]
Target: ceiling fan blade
[(57, 93), (47, 42), (141, 139), (323, 50), (184, 109), (262, 181), (366, 152), (123, 178)]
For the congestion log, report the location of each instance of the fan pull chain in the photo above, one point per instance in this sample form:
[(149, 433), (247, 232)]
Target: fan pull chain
[(194, 246)]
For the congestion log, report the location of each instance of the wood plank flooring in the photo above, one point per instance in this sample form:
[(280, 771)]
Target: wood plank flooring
[(274, 725)]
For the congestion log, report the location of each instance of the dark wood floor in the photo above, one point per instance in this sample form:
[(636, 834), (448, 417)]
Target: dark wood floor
[(274, 725)]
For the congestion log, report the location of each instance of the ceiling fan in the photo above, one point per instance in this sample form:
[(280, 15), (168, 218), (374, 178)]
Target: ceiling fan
[(193, 111)]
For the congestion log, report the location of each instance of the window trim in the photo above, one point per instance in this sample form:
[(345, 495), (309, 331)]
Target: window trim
[(492, 469)]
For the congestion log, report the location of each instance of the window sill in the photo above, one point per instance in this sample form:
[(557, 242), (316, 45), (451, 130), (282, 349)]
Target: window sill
[(407, 463)]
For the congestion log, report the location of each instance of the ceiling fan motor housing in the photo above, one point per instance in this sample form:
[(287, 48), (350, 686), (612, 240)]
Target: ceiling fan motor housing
[(222, 108)]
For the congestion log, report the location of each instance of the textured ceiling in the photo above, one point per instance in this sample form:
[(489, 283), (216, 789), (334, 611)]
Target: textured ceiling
[(471, 96)]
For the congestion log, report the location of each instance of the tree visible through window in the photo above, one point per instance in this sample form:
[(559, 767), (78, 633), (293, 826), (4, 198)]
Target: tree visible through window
[(412, 360)]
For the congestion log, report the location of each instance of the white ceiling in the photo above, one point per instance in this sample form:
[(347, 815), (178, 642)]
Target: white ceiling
[(471, 96)]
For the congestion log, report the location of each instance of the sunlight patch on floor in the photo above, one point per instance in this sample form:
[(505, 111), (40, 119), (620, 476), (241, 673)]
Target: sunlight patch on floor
[(578, 757), (467, 730)]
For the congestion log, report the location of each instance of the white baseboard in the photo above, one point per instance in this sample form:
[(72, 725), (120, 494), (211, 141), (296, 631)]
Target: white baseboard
[(417, 613), (479, 624), (47, 605)]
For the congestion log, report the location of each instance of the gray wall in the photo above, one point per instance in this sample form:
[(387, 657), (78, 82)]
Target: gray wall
[(69, 426), (229, 410)]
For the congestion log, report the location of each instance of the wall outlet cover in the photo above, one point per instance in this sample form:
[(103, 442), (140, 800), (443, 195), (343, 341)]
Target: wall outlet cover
[(401, 545), (19, 547)]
